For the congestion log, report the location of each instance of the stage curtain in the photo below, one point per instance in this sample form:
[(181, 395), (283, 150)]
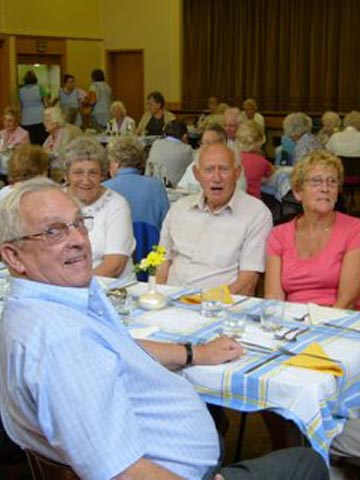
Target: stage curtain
[(288, 55)]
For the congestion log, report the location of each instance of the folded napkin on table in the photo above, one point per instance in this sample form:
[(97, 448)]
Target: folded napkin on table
[(221, 293), (319, 315), (143, 332), (322, 365)]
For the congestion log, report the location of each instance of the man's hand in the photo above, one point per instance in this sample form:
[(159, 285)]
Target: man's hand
[(220, 350)]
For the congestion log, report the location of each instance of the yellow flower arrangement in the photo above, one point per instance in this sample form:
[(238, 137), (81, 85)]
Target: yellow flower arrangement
[(153, 260)]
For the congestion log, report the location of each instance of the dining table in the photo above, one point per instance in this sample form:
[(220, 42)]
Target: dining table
[(317, 402)]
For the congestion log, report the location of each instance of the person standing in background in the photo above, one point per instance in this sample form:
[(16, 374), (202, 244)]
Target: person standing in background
[(33, 99), (99, 100), (70, 96)]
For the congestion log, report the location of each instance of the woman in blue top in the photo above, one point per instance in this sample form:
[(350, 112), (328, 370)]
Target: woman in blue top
[(33, 100)]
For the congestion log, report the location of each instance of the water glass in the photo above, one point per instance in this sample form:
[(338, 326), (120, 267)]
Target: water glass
[(234, 324), (272, 316), (123, 304), (211, 303)]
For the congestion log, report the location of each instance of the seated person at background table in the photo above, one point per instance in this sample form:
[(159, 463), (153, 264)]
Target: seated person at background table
[(26, 162), (206, 117), (169, 156), (70, 96), (232, 120), (284, 153), (298, 127), (147, 196), (251, 138), (250, 113), (76, 388), (12, 135), (347, 142), (111, 236), (60, 133), (218, 236), (154, 121), (331, 123), (120, 122), (316, 257)]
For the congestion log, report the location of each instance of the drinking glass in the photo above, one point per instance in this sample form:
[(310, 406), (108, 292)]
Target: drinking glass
[(234, 324), (211, 303), (272, 316)]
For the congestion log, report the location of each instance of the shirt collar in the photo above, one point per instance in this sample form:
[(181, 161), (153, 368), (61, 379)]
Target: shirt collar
[(127, 171), (199, 202)]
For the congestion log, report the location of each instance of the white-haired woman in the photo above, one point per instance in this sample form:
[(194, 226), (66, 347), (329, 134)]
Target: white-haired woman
[(120, 122), (112, 240), (347, 142), (331, 122), (298, 127), (250, 139), (60, 133)]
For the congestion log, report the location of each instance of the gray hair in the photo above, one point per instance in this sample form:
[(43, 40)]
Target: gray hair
[(352, 119), (250, 136), (12, 223), (118, 104), (296, 124), (126, 151), (86, 149), (234, 151), (233, 113), (333, 118), (55, 115)]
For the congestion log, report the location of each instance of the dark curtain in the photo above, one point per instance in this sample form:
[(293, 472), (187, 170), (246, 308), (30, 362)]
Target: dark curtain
[(287, 54)]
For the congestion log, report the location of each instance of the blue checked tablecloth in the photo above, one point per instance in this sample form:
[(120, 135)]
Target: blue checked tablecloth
[(317, 402)]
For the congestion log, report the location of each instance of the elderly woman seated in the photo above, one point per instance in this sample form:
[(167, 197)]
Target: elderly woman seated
[(111, 237), (27, 161), (331, 123), (298, 127), (120, 122), (146, 196), (250, 113), (155, 120), (60, 133), (347, 142), (251, 137), (12, 135), (316, 257)]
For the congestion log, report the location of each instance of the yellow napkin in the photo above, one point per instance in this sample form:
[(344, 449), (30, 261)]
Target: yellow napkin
[(218, 293), (325, 366)]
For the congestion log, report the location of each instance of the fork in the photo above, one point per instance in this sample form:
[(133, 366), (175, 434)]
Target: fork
[(282, 336), (285, 351)]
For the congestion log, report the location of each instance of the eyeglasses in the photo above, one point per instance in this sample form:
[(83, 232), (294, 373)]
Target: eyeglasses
[(57, 232), (315, 182)]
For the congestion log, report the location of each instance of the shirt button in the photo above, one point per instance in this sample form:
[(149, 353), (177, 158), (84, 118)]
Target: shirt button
[(100, 313)]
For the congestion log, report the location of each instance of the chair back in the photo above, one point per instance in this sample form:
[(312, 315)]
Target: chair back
[(351, 170), (44, 469)]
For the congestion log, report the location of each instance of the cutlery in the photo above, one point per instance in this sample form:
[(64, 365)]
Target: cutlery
[(253, 346), (285, 351), (242, 300), (283, 336), (340, 327), (258, 365)]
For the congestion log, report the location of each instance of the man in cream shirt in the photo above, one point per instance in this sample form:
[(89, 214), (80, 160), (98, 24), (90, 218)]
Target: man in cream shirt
[(218, 236)]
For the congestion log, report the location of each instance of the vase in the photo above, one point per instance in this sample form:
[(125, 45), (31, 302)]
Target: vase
[(152, 299)]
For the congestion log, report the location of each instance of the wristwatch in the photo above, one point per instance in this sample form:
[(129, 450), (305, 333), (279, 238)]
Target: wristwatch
[(189, 353)]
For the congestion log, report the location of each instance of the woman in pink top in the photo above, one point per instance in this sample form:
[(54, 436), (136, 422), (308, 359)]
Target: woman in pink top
[(316, 257), (250, 137), (12, 135)]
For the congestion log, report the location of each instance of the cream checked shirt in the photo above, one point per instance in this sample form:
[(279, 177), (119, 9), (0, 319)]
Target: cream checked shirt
[(207, 248)]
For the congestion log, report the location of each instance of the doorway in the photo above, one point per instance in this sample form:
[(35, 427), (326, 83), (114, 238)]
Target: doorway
[(5, 80), (126, 77), (47, 69)]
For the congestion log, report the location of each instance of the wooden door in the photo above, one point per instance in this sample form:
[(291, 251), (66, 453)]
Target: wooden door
[(5, 81), (126, 77)]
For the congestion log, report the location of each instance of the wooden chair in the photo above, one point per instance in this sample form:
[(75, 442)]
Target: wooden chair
[(44, 469), (351, 180)]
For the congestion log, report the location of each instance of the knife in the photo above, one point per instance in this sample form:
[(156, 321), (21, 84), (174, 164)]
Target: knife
[(258, 365), (340, 327)]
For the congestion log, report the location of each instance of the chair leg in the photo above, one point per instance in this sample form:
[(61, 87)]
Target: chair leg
[(241, 435)]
